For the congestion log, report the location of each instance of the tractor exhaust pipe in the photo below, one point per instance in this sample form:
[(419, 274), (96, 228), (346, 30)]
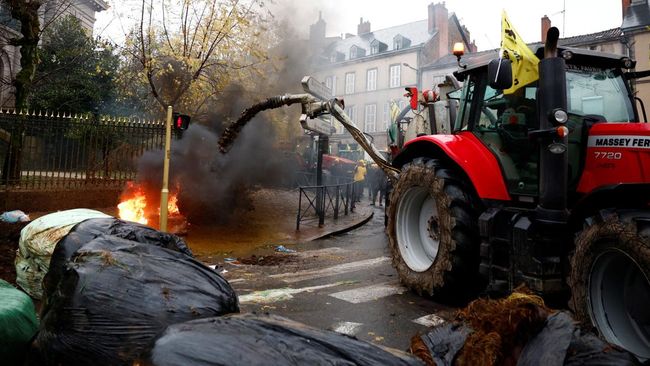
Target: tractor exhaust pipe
[(551, 98)]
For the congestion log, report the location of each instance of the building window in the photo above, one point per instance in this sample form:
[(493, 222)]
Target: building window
[(370, 124), (386, 116), (395, 76), (330, 82), (352, 113), (397, 43), (374, 48), (371, 80), (349, 83), (353, 52)]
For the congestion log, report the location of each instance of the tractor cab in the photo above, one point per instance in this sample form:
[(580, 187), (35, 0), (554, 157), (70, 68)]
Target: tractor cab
[(597, 92)]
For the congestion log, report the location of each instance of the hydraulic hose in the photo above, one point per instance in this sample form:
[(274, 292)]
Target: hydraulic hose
[(231, 132)]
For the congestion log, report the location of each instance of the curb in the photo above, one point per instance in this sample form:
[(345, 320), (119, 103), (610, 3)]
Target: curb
[(350, 227)]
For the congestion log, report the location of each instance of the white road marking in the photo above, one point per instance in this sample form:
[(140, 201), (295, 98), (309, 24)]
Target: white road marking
[(323, 252), (330, 271), (349, 328), (282, 294), (370, 293), (431, 320)]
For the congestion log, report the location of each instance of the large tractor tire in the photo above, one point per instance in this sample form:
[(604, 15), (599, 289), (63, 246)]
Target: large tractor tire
[(610, 278), (433, 231)]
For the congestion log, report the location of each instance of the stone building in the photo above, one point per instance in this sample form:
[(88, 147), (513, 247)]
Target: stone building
[(369, 70), (631, 39)]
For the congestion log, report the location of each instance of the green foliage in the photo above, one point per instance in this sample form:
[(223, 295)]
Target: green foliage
[(77, 73)]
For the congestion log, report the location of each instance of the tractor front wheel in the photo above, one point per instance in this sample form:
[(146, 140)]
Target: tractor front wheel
[(433, 231), (610, 279)]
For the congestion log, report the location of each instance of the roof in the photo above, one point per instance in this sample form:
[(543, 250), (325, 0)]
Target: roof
[(607, 35), (98, 5), (637, 16), (575, 41), (450, 60), (417, 32)]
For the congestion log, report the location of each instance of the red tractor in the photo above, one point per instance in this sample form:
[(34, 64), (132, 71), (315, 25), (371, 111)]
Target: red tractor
[(548, 187)]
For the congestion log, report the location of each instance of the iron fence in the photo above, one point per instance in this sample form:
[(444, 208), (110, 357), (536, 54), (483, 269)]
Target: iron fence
[(308, 178), (319, 201), (61, 151)]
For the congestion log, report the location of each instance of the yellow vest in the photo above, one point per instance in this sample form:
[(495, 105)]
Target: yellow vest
[(360, 173)]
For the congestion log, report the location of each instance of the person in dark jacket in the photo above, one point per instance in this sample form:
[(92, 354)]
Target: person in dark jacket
[(376, 183)]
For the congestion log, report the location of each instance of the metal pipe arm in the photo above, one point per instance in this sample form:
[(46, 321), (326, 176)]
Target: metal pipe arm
[(337, 112)]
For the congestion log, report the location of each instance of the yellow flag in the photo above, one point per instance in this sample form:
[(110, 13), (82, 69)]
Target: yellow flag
[(524, 61), (394, 111)]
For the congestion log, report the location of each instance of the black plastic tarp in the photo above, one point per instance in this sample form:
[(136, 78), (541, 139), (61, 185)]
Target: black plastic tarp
[(263, 340), (113, 296), (562, 342), (86, 231)]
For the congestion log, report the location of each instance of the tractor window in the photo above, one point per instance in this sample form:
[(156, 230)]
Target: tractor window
[(599, 93), (466, 97), (503, 124)]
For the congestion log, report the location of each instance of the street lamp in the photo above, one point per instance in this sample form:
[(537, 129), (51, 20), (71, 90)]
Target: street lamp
[(417, 73)]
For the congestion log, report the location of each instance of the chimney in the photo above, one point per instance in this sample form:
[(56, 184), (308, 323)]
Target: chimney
[(363, 27), (546, 25), (317, 30), (439, 21), (625, 4), (430, 17)]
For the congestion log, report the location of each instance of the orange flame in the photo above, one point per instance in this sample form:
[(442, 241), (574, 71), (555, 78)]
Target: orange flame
[(135, 208), (172, 205)]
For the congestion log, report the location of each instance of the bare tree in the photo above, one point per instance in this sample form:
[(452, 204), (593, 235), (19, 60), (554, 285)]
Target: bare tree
[(192, 42)]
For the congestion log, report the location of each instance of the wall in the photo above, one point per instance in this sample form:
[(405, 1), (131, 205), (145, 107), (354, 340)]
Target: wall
[(381, 96), (40, 201), (642, 57)]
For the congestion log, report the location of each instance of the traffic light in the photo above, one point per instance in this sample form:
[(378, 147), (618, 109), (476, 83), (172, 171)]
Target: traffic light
[(180, 122)]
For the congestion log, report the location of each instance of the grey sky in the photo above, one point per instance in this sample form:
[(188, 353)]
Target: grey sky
[(482, 18)]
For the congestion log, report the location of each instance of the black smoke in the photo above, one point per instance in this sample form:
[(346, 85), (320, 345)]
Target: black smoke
[(213, 186)]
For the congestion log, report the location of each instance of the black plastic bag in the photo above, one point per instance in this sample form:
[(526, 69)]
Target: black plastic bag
[(443, 343), (86, 231), (263, 340), (562, 342), (114, 296)]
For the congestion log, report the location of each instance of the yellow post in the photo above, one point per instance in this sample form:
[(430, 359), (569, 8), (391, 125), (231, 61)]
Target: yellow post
[(164, 193)]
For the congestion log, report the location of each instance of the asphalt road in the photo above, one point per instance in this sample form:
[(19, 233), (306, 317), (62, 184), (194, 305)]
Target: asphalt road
[(344, 283)]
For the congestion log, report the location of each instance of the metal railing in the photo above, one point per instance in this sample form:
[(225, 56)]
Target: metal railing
[(61, 151), (319, 201)]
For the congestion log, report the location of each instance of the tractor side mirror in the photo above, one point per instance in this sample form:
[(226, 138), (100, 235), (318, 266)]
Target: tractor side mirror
[(500, 74)]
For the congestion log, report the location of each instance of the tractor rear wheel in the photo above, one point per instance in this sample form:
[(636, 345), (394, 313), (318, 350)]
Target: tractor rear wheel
[(610, 279), (433, 231)]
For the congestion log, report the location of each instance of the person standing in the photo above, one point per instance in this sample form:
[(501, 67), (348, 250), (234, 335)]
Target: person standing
[(372, 182), (377, 181), (359, 180)]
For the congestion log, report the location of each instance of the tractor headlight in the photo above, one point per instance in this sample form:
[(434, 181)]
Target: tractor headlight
[(557, 148), (560, 116)]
